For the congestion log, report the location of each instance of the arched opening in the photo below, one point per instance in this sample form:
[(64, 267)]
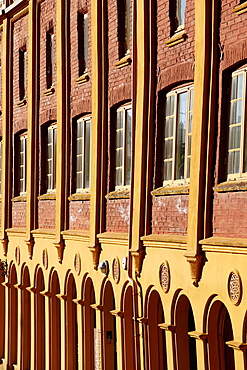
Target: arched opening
[(55, 324), (2, 316), (13, 313), (71, 326), (156, 337), (128, 330), (109, 330), (186, 346), (26, 321), (219, 332), (39, 318), (89, 326)]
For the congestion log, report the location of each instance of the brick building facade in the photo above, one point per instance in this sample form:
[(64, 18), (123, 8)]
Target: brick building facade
[(123, 181)]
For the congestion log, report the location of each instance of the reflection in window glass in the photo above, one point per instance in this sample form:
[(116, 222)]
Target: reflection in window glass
[(83, 150)]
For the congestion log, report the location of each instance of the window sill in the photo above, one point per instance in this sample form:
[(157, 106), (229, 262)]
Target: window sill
[(20, 198), (21, 103), (171, 190), (47, 196), (178, 37), (241, 8), (78, 235), (165, 241), (43, 233), (113, 238), (49, 91), (125, 61), (230, 186), (79, 196), (82, 79), (224, 245), (119, 194)]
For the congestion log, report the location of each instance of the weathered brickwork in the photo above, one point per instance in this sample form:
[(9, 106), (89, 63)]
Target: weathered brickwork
[(230, 214), (20, 41), (47, 22), (170, 214), (117, 215), (79, 215), (19, 214), (80, 93), (46, 214)]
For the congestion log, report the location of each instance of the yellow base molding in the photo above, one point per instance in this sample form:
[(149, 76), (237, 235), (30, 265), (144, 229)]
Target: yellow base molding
[(224, 245), (177, 38), (117, 313), (19, 198), (16, 232), (114, 238), (47, 196), (241, 8), (169, 241), (167, 327), (171, 190), (78, 235), (43, 233), (198, 335), (21, 103), (82, 79), (125, 61)]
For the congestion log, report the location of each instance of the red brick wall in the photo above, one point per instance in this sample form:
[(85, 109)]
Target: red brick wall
[(19, 214), (117, 215), (46, 214), (47, 21), (20, 39), (230, 214), (79, 215), (170, 214)]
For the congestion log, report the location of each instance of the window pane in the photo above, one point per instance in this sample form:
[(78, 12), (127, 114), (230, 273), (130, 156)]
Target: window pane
[(79, 164), (128, 134), (79, 180), (233, 113), (169, 127), (234, 137), (79, 147), (234, 88), (119, 158), (87, 154), (120, 117), (167, 170), (181, 4), (191, 99), (189, 144), (170, 105), (240, 87), (239, 112), (79, 129), (188, 168), (233, 162), (119, 139), (85, 35), (181, 134), (168, 149), (119, 176)]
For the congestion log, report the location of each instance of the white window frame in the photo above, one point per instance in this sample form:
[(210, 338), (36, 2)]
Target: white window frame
[(82, 156), (52, 159), (23, 150), (187, 156), (179, 3), (123, 184), (243, 143)]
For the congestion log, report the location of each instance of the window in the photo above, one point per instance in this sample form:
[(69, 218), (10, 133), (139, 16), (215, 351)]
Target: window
[(82, 28), (51, 158), (22, 73), (124, 27), (237, 143), (178, 134), (83, 148), (123, 146), (49, 59), (180, 13), (21, 164), (0, 166)]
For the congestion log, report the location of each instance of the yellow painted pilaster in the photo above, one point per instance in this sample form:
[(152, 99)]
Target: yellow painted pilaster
[(7, 317), (204, 40), (19, 325), (79, 303), (98, 117), (33, 328), (63, 331), (6, 131), (33, 129)]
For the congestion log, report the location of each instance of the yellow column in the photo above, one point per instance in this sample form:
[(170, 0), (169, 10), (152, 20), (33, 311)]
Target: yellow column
[(63, 299), (19, 287), (33, 127), (205, 41), (119, 334), (33, 328), (98, 336), (7, 309), (201, 349), (63, 108), (47, 294), (79, 303), (6, 131), (170, 345)]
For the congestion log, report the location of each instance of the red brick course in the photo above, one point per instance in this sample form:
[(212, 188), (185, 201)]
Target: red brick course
[(46, 214), (230, 215), (19, 214), (117, 215), (170, 214), (79, 215)]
